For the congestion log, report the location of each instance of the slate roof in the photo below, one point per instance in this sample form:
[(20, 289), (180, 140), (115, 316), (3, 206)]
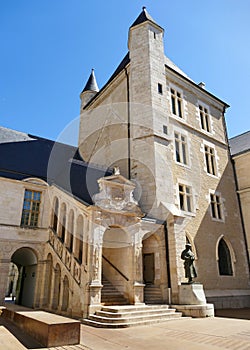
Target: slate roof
[(143, 17), (24, 155), (91, 84), (240, 144)]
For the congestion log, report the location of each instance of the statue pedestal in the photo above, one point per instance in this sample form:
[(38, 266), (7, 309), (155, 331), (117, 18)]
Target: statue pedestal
[(192, 294), (192, 301)]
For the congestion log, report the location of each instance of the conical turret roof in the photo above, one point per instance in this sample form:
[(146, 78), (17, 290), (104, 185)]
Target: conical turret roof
[(143, 17), (91, 84)]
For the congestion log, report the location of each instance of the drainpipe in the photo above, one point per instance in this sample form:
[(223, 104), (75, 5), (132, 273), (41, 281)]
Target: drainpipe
[(167, 260), (129, 133)]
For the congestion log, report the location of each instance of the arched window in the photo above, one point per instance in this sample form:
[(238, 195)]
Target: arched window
[(55, 215), (70, 231), (225, 262), (65, 298), (62, 230), (79, 239)]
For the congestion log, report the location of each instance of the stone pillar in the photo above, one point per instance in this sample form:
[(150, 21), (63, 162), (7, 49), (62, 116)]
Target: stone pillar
[(52, 286), (176, 242), (40, 283), (4, 273), (95, 286), (61, 294), (138, 285)]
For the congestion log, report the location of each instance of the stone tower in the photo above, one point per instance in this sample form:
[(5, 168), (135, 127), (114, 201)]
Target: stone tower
[(147, 108), (120, 124)]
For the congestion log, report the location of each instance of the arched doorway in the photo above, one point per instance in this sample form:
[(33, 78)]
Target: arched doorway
[(117, 260), (152, 274), (26, 261)]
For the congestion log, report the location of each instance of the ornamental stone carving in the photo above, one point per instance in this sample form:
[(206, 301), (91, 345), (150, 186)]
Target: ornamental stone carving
[(116, 195)]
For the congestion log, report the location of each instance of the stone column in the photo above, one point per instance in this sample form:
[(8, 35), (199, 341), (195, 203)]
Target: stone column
[(51, 295), (4, 273), (40, 283), (176, 241), (95, 286), (60, 303), (138, 285)]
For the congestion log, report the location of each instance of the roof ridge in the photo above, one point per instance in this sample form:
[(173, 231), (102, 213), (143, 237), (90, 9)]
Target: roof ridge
[(243, 133)]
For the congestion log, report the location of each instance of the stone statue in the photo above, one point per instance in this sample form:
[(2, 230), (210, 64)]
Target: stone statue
[(116, 170), (188, 256)]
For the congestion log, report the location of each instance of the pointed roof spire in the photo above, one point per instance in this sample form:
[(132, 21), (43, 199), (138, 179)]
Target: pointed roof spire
[(91, 84), (143, 17)]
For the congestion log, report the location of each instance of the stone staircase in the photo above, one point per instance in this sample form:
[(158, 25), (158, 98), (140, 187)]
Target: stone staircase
[(110, 295), (152, 294), (131, 315)]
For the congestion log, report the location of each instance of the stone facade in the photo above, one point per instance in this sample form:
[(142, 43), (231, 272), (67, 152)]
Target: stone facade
[(144, 145), (173, 183), (240, 150)]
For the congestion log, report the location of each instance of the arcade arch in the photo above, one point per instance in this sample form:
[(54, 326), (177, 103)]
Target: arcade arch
[(25, 260), (117, 258)]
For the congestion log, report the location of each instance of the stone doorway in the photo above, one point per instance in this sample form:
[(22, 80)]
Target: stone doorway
[(148, 268), (26, 262), (152, 271), (116, 262)]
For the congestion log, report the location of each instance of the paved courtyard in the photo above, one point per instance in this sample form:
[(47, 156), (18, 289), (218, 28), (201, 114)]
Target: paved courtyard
[(209, 333)]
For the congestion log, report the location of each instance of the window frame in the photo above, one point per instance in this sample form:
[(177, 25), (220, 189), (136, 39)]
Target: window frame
[(181, 148), (186, 202), (176, 100), (33, 209), (210, 160), (204, 117), (216, 206)]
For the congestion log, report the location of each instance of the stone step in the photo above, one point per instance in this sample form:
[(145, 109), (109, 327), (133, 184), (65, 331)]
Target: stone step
[(133, 323), (110, 294), (152, 292), (153, 295), (110, 290), (130, 315), (103, 313), (132, 308), (132, 318), (114, 301)]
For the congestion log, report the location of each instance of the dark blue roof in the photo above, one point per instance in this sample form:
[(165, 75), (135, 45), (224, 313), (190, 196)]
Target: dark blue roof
[(91, 84), (53, 162), (143, 17), (240, 144)]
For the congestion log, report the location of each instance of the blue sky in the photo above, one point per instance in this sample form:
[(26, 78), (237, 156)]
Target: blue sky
[(49, 47)]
